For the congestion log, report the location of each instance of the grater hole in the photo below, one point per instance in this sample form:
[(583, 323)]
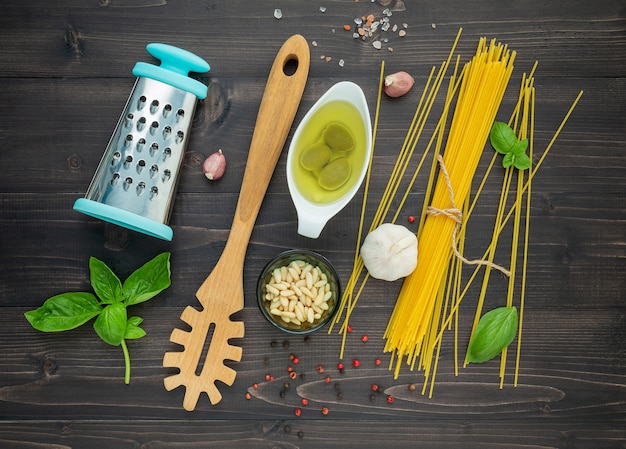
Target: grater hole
[(154, 148), (154, 127), (141, 187), (180, 136), (167, 174), (167, 153), (154, 170), (127, 183), (141, 123), (154, 106), (141, 165), (128, 141), (167, 132), (180, 114), (154, 191), (140, 144), (167, 110), (115, 179), (141, 102), (129, 120), (116, 158), (128, 161)]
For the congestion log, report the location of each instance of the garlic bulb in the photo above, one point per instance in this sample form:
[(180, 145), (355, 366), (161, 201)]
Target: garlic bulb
[(389, 252)]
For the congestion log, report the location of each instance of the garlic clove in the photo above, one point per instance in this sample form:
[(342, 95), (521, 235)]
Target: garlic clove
[(214, 166), (398, 84), (389, 252)]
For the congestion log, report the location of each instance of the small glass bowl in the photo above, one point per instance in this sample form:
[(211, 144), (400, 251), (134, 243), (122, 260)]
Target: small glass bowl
[(284, 260)]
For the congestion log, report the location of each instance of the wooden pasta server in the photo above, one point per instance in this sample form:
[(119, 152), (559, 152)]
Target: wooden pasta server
[(221, 294)]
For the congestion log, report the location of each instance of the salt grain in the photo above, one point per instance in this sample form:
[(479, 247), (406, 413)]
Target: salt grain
[(402, 33), (377, 45), (278, 14), (341, 63), (322, 9)]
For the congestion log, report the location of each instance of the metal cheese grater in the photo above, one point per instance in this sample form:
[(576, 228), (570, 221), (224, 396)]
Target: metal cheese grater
[(135, 183)]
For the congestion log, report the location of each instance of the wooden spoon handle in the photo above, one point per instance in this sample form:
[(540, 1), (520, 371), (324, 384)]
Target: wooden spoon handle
[(276, 114)]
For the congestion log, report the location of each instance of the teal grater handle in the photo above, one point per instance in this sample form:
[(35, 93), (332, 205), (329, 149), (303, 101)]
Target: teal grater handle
[(176, 64)]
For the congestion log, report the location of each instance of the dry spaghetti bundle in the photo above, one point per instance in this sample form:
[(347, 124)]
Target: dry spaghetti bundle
[(483, 84)]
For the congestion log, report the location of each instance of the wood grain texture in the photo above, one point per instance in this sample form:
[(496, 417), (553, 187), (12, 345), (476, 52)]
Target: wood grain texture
[(65, 74)]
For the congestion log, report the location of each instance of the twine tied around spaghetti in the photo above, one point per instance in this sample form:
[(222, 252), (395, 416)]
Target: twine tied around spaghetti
[(455, 214)]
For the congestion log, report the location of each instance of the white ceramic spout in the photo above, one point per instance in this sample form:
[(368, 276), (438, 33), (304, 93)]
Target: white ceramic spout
[(312, 216)]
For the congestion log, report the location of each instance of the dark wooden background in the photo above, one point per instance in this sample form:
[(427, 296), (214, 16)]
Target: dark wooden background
[(64, 78)]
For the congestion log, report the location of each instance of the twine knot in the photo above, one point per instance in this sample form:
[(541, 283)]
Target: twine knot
[(455, 214)]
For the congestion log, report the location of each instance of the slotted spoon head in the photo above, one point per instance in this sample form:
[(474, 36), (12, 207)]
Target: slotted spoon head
[(221, 294), (214, 326)]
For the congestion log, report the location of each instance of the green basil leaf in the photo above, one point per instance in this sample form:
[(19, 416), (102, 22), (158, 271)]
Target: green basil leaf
[(104, 282), (495, 331), (522, 162), (519, 147), (64, 312), (148, 280), (502, 137), (133, 331), (508, 160), (111, 324), (135, 320)]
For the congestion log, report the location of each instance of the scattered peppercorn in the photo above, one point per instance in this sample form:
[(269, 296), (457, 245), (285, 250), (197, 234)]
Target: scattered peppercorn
[(300, 434), (286, 385), (411, 219), (293, 375), (307, 339), (340, 366), (291, 356), (339, 395), (356, 363), (390, 399), (305, 402), (374, 387), (364, 338), (337, 386), (268, 377), (248, 396), (327, 379), (348, 328), (324, 410), (296, 360), (274, 343), (320, 369), (377, 362), (255, 386), (297, 411), (372, 397), (289, 368), (266, 361), (286, 344), (411, 387)]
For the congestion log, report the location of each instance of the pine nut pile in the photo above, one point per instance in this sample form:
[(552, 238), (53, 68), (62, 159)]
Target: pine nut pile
[(298, 293)]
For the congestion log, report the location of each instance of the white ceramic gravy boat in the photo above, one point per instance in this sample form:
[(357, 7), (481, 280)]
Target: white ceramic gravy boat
[(313, 216)]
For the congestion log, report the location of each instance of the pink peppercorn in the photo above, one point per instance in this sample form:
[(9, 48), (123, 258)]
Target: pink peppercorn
[(356, 363)]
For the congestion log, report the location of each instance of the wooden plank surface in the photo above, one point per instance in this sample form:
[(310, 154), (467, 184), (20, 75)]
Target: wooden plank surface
[(64, 78)]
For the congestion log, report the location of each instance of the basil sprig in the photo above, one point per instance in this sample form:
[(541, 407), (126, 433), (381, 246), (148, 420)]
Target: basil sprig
[(113, 325), (504, 141), (495, 331)]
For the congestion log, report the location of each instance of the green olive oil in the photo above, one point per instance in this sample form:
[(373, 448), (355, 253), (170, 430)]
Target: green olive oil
[(306, 181)]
